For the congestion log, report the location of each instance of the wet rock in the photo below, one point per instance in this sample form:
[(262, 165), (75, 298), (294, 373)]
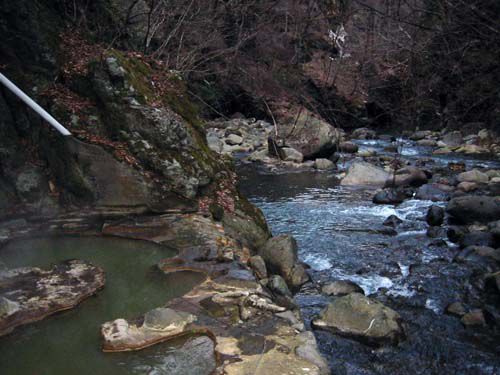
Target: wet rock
[(392, 221), (323, 164), (456, 308), (290, 154), (361, 318), (468, 209), (259, 266), (234, 139), (477, 238), (391, 196), (482, 251), (348, 147), (280, 255), (435, 216), (474, 318), (473, 176), (31, 294), (341, 288), (311, 136), (362, 173), (159, 325), (467, 186), (456, 233), (453, 139), (434, 192), (408, 176)]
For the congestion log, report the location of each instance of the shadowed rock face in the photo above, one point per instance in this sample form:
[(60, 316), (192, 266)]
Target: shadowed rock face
[(30, 294)]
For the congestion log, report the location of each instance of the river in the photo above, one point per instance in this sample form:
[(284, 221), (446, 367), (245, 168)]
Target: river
[(340, 236)]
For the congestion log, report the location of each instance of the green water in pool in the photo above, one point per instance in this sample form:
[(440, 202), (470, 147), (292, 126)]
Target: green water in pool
[(69, 342)]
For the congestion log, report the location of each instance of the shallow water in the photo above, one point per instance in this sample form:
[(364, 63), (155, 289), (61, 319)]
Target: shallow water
[(69, 342), (337, 231)]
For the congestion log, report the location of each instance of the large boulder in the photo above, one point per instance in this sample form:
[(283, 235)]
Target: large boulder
[(473, 176), (361, 318), (280, 255), (362, 173), (310, 135), (408, 176), (453, 139), (468, 209), (434, 192), (290, 154)]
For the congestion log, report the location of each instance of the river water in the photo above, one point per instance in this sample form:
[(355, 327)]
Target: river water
[(338, 230)]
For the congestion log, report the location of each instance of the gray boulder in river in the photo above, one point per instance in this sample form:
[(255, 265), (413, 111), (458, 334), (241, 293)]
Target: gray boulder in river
[(362, 173), (310, 135), (361, 318), (280, 255), (468, 209)]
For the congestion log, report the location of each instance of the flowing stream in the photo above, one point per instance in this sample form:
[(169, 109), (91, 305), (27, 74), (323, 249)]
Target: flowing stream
[(338, 230)]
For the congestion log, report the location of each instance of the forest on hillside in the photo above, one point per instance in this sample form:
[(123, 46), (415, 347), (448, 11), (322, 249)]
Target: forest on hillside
[(401, 63)]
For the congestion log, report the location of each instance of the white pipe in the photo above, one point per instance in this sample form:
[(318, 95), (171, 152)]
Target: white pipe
[(35, 107)]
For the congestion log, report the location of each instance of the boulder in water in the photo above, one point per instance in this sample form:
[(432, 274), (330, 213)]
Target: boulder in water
[(290, 154), (280, 255), (310, 135), (453, 139), (435, 216), (362, 173), (468, 209), (341, 288), (408, 176), (473, 176), (434, 192), (361, 318)]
